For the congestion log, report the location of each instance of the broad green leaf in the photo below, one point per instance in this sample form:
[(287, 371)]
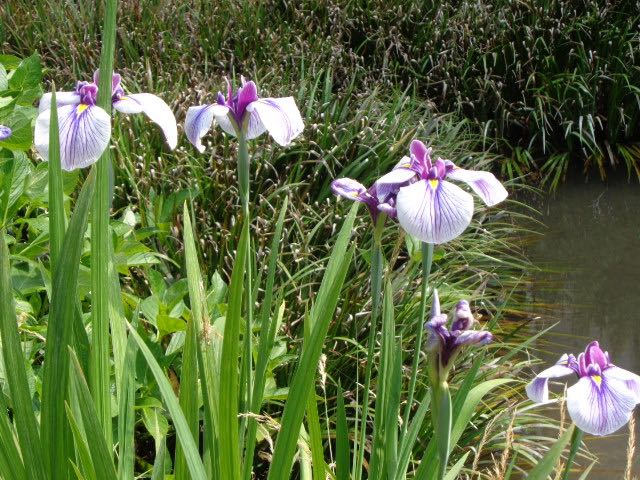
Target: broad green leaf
[(196, 468), (55, 432), (321, 315)]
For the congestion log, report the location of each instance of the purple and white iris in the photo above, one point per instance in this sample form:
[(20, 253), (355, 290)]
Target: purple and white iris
[(432, 209), (85, 128), (604, 397), (244, 112), (381, 196), (5, 132), (446, 343)]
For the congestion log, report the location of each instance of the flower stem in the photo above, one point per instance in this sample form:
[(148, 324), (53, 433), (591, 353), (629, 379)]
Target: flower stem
[(576, 441), (99, 365), (244, 189), (377, 263), (427, 259), (441, 402)]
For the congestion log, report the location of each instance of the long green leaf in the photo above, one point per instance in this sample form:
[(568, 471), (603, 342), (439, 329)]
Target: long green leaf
[(15, 370), (206, 358), (455, 470), (55, 432), (57, 216), (196, 468), (463, 409), (99, 449), (321, 314), (82, 447), (99, 362), (409, 440), (545, 466), (229, 387), (126, 413), (265, 343)]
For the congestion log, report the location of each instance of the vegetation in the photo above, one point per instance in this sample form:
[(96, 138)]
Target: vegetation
[(363, 96)]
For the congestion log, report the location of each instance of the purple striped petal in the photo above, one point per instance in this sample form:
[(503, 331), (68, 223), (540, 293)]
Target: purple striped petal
[(62, 98), (390, 183), (5, 132), (348, 188), (600, 405), (197, 123), (434, 211), (85, 131), (538, 389), (630, 379), (279, 116), (485, 184), (156, 109)]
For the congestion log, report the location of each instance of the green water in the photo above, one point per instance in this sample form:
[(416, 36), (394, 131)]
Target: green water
[(593, 241)]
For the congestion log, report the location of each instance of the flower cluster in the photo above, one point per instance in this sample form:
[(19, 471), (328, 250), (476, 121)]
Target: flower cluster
[(85, 128), (417, 194), (604, 397)]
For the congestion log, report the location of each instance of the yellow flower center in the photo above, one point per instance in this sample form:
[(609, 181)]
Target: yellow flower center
[(597, 379), (434, 182)]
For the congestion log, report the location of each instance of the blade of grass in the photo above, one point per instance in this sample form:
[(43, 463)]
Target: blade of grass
[(158, 464), (409, 440), (265, 342), (229, 388), (99, 363), (196, 468), (342, 439), (16, 374), (55, 432), (545, 466), (321, 314), (455, 470), (82, 449)]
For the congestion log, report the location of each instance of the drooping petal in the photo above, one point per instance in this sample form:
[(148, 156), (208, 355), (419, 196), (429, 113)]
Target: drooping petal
[(197, 123), (348, 188), (629, 378), (485, 184), (600, 405), (62, 98), (153, 107), (85, 131), (279, 116), (437, 332), (390, 183), (388, 209), (538, 389), (434, 211)]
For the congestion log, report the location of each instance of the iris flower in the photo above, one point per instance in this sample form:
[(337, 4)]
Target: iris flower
[(431, 208), (5, 132), (85, 128), (604, 397), (381, 196), (245, 112), (446, 343)]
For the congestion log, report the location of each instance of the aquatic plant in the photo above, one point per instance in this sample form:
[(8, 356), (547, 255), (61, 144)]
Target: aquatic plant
[(85, 128)]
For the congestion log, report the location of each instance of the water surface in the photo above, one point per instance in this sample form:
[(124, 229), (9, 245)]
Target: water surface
[(593, 243)]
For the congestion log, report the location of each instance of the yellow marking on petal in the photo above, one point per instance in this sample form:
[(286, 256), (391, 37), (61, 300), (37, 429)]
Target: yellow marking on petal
[(434, 182), (355, 194), (123, 98), (597, 379), (81, 108), (405, 165)]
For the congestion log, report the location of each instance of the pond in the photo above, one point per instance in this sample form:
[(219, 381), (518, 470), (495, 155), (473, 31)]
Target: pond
[(591, 251)]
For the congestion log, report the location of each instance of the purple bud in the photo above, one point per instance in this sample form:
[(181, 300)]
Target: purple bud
[(435, 304), (463, 318), (5, 132)]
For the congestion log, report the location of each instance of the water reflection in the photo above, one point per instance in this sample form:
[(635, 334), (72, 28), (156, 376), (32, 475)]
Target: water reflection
[(593, 239)]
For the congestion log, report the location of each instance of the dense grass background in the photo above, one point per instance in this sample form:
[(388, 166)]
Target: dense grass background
[(367, 79), (547, 84)]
